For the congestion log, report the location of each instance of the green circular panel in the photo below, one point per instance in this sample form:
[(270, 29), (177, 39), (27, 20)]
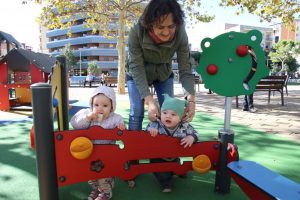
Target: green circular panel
[(232, 69)]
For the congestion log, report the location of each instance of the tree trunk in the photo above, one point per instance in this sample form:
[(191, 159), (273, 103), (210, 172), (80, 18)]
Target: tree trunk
[(121, 50), (282, 65)]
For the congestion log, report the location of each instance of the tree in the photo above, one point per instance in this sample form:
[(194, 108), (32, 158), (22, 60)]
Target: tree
[(285, 10), (103, 15), (93, 68), (70, 58), (292, 65), (283, 51)]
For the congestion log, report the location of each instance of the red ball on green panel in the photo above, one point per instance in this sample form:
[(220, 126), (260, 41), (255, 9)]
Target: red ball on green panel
[(212, 69), (242, 50)]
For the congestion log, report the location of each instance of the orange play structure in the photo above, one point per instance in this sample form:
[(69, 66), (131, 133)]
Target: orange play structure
[(18, 70)]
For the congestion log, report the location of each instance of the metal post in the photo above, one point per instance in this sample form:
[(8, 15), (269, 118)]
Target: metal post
[(227, 117), (222, 181), (44, 139), (79, 62)]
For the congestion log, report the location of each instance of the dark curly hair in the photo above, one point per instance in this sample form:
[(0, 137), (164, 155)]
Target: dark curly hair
[(158, 8)]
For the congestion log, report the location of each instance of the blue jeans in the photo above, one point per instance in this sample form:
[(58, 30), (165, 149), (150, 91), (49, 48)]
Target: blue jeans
[(248, 101), (136, 114)]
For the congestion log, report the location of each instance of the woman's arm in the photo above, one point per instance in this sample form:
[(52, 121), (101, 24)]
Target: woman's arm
[(184, 63), (138, 72), (185, 74), (136, 62), (153, 111)]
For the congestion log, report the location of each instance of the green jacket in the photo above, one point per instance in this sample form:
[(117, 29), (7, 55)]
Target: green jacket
[(148, 62)]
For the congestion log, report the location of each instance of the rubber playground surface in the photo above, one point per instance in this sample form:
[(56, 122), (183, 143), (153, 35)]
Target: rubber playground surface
[(18, 179)]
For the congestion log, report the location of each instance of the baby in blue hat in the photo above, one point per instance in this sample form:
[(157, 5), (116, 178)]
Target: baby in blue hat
[(170, 124)]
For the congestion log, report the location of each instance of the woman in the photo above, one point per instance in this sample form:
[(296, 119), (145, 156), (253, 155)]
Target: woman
[(153, 41)]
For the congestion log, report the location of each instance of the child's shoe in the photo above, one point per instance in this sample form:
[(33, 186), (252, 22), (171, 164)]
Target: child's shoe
[(167, 190), (131, 183), (102, 196), (93, 195), (245, 109), (252, 110), (183, 176)]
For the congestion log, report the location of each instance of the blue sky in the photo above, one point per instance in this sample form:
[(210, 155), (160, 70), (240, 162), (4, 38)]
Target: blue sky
[(19, 20)]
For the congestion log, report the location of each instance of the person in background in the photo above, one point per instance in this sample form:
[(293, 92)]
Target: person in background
[(248, 104), (101, 113), (89, 78), (171, 124), (102, 78)]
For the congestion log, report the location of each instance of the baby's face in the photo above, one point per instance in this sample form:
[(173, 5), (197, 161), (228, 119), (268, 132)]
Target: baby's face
[(170, 118), (102, 105)]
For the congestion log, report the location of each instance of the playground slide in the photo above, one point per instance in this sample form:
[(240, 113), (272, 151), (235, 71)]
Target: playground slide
[(258, 182)]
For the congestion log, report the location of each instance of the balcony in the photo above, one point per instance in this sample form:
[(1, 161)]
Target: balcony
[(91, 52), (80, 40)]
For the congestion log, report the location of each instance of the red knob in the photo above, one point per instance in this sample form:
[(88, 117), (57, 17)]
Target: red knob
[(212, 69), (242, 50)]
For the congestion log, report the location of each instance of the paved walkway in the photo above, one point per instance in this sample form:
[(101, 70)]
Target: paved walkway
[(271, 118)]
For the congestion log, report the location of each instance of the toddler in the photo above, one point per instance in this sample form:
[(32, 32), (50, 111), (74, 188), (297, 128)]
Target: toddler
[(170, 124), (101, 113)]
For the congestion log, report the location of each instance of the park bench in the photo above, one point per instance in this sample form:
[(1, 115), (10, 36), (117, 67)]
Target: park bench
[(272, 84), (77, 80), (110, 80), (96, 80)]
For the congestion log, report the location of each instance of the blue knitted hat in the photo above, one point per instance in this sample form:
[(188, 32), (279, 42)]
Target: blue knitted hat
[(172, 103)]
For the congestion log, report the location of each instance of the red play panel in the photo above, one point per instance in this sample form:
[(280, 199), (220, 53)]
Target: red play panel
[(137, 145)]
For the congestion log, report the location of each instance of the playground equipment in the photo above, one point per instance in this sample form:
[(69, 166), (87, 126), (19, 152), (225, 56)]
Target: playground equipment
[(231, 72), (62, 154), (59, 93), (18, 70)]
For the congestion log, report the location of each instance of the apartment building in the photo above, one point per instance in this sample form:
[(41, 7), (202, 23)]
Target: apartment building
[(87, 47), (267, 33), (43, 40), (283, 33)]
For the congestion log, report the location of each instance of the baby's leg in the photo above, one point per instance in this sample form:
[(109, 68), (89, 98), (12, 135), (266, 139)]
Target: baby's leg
[(95, 192), (105, 186)]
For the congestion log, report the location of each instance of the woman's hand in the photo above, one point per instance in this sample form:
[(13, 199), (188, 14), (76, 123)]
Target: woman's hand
[(153, 111), (189, 112)]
